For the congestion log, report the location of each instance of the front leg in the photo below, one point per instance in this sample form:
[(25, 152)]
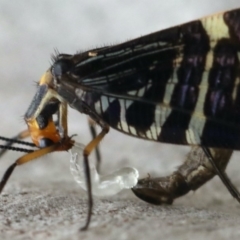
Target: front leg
[(192, 174)]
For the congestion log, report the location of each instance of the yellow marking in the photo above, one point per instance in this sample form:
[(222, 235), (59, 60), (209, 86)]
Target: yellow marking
[(50, 94), (63, 120), (149, 133), (197, 124), (168, 92), (203, 87), (124, 105), (123, 115), (177, 61), (123, 126), (155, 132), (161, 114), (140, 92), (215, 27), (46, 78), (92, 54), (235, 89), (209, 58), (236, 83), (173, 80), (198, 119), (97, 107), (49, 132), (171, 83), (190, 137), (132, 130), (105, 103)]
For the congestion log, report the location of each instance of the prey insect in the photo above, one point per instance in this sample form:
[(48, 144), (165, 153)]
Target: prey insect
[(179, 86)]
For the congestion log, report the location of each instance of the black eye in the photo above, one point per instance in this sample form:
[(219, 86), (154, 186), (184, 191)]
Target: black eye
[(61, 67), (46, 114)]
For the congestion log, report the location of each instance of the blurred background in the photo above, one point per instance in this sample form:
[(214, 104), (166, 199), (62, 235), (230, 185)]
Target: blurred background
[(29, 33)]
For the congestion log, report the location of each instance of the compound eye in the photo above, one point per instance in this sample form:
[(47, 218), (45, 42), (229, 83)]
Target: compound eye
[(61, 67)]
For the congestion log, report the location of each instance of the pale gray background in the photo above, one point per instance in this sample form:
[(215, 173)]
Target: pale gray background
[(41, 199)]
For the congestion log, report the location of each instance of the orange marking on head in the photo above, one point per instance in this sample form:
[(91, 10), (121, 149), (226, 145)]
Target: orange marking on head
[(49, 132)]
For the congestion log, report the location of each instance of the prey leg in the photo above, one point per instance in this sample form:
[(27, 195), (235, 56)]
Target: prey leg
[(20, 136), (192, 174)]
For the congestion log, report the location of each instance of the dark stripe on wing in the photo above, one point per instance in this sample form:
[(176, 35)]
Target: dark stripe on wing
[(219, 102), (141, 115), (232, 19), (112, 113), (185, 94)]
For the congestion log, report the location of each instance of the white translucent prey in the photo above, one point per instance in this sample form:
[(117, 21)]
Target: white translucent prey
[(102, 185)]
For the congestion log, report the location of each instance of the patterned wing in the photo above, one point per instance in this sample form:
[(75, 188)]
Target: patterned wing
[(179, 85)]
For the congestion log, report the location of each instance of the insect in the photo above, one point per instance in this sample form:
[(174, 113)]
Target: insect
[(179, 86)]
